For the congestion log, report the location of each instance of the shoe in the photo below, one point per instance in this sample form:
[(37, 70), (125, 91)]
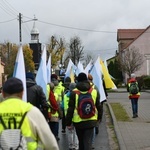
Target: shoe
[(96, 130), (134, 116), (57, 138), (63, 131)]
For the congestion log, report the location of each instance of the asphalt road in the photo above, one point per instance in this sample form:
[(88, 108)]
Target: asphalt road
[(101, 140)]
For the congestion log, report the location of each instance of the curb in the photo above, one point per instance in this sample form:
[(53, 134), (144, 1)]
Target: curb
[(116, 128)]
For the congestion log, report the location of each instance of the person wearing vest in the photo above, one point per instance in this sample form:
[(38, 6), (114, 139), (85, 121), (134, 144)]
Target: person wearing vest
[(53, 111), (84, 127), (67, 81), (133, 97), (59, 91), (34, 128), (72, 136)]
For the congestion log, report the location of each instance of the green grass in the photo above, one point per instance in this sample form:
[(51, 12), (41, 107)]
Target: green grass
[(119, 112)]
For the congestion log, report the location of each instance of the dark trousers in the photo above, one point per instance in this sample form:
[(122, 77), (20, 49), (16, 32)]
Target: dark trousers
[(54, 128), (85, 138), (134, 103), (63, 121)]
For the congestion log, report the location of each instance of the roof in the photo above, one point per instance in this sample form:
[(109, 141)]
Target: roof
[(128, 34), (136, 37)]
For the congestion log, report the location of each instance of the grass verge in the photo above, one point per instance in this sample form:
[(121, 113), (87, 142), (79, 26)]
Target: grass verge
[(119, 112)]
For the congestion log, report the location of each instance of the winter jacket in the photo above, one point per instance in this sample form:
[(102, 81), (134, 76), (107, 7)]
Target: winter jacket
[(82, 86), (35, 95)]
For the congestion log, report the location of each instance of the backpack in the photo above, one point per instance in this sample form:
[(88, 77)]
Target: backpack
[(133, 89), (86, 107), (12, 138)]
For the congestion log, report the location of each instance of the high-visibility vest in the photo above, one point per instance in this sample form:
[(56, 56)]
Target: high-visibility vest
[(76, 117), (15, 107)]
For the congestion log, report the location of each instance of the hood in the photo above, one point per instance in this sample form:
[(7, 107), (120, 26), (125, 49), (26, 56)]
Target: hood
[(132, 80), (83, 86), (30, 82)]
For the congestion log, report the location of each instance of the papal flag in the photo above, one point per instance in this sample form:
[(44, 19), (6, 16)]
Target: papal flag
[(107, 79), (19, 71), (70, 70), (41, 76)]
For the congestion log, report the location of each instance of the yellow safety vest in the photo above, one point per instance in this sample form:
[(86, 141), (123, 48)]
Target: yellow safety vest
[(76, 117), (15, 107), (66, 101)]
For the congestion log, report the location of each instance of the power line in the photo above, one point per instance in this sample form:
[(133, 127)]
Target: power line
[(81, 29), (10, 6), (8, 20), (8, 11)]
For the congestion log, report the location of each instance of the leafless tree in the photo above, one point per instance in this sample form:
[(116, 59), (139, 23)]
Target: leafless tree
[(56, 47), (130, 60), (75, 50)]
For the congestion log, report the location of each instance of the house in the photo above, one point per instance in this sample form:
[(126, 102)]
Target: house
[(1, 72), (140, 39)]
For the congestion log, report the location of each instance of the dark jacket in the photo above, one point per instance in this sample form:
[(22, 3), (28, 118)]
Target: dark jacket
[(35, 94), (82, 86)]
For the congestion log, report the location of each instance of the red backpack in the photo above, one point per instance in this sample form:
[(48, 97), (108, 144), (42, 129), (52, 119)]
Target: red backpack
[(86, 107)]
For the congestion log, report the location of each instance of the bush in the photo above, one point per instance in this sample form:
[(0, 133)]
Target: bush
[(147, 82)]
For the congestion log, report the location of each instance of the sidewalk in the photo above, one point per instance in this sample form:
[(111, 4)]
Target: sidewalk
[(134, 135)]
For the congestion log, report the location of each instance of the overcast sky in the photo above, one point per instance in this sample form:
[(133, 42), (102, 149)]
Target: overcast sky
[(94, 21)]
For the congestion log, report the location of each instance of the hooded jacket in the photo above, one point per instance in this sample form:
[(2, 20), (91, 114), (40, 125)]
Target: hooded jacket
[(82, 86), (35, 94)]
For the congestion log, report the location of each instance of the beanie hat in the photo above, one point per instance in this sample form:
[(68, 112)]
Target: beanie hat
[(67, 80), (82, 77), (54, 76), (30, 75), (72, 86), (13, 85), (90, 77), (132, 75)]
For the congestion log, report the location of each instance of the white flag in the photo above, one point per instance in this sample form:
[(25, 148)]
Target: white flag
[(19, 71), (41, 76), (97, 79), (49, 69)]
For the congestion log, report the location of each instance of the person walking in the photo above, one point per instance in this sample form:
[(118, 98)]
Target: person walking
[(35, 94), (84, 117), (34, 127), (134, 94), (72, 136)]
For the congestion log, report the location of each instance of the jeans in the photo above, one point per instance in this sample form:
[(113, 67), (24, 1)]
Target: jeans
[(85, 138), (134, 103), (54, 128)]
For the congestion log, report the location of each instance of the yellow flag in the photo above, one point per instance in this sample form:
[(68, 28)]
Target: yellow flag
[(72, 75), (108, 81)]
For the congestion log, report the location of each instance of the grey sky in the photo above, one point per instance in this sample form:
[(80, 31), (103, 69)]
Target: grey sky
[(99, 20)]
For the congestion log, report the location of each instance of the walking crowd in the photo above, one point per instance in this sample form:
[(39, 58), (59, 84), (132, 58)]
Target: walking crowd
[(77, 104)]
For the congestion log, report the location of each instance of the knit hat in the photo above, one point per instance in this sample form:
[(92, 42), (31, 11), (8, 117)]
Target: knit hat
[(30, 75), (72, 86), (82, 77), (13, 85), (132, 75), (54, 77)]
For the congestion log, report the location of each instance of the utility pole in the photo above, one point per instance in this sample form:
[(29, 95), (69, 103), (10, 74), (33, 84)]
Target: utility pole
[(20, 36)]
